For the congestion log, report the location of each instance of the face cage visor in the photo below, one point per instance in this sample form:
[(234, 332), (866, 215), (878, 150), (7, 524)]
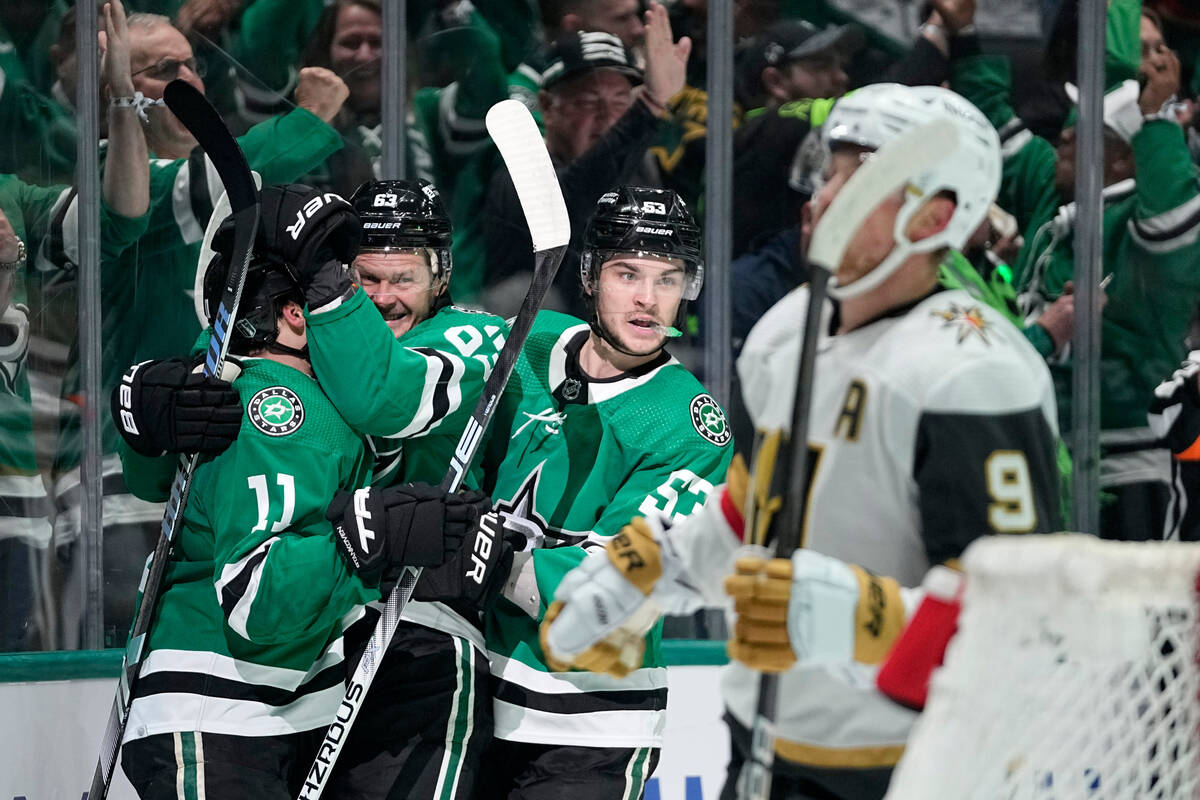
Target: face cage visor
[(594, 259)]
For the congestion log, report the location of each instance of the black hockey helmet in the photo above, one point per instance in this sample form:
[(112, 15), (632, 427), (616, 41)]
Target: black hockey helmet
[(269, 285), (637, 219), (405, 214)]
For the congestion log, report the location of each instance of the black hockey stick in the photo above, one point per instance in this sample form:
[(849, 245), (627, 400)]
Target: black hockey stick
[(886, 172), (524, 152), (203, 121)]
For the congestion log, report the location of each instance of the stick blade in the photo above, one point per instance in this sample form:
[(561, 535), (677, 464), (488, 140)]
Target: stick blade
[(892, 166), (516, 135), (202, 120)]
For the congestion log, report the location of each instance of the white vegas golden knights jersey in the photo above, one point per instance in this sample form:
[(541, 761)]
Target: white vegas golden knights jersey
[(929, 427)]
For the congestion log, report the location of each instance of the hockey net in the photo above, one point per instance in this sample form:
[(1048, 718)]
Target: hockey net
[(1075, 673)]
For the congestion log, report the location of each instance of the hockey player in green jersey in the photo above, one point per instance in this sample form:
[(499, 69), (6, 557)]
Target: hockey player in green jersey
[(412, 383), (245, 653), (599, 423)]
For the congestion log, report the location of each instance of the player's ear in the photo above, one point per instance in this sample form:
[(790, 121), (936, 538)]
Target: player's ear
[(931, 218), (293, 315)]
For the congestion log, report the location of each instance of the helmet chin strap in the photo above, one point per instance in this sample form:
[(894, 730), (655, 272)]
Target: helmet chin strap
[(893, 261), (283, 350)]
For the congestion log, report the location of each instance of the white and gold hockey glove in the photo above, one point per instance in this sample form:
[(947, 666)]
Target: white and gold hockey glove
[(604, 607), (812, 608)]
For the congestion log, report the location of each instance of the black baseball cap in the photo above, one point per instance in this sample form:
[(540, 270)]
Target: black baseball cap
[(795, 39), (577, 53)]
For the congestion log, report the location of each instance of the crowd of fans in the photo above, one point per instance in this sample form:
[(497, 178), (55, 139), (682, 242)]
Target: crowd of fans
[(618, 89)]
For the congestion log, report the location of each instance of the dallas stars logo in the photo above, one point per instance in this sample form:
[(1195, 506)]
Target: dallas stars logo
[(968, 321), (520, 516), (709, 420), (276, 411)]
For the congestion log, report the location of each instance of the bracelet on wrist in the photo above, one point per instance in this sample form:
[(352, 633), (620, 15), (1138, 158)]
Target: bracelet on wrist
[(16, 262), (139, 102)]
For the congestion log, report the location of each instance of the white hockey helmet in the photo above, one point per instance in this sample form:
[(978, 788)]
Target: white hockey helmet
[(877, 113)]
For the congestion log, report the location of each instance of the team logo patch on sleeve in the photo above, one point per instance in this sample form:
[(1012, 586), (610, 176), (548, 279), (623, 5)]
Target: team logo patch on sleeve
[(968, 321), (709, 420), (276, 411)]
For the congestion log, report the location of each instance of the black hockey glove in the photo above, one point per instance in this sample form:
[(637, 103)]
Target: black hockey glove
[(476, 573), (307, 228), (381, 531), (165, 406)]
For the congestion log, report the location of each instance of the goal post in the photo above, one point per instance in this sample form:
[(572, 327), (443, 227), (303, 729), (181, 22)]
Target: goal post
[(1075, 673)]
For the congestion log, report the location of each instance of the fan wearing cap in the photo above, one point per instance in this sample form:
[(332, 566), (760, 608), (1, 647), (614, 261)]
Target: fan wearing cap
[(1151, 244), (600, 113), (788, 81)]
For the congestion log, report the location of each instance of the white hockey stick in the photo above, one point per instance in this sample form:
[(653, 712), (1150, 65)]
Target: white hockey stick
[(887, 171), (524, 152)]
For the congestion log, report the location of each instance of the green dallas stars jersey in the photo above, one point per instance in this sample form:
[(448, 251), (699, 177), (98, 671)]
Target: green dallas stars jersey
[(414, 395), (570, 461), (246, 639)]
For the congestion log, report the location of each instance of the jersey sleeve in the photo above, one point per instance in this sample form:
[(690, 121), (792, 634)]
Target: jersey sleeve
[(674, 486), (982, 472), (286, 147), (278, 575), (405, 387), (1167, 216)]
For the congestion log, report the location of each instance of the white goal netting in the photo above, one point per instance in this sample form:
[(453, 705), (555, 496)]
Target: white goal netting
[(1075, 674)]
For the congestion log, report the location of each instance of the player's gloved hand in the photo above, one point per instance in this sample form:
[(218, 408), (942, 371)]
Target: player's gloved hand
[(379, 532), (603, 608), (165, 406), (476, 573), (811, 608), (306, 229)]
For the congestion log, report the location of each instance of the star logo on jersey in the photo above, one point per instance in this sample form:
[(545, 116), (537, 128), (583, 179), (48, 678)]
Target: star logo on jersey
[(968, 321), (276, 411), (522, 521), (709, 420)]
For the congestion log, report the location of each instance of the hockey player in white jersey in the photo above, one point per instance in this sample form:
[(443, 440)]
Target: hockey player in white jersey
[(932, 423)]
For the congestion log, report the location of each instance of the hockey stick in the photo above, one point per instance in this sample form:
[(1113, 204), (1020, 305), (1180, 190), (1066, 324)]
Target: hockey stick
[(886, 172), (204, 123), (524, 153)]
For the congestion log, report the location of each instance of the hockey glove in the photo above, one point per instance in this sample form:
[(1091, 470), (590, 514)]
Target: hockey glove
[(165, 406), (476, 573), (811, 608), (603, 608), (302, 227), (379, 532)]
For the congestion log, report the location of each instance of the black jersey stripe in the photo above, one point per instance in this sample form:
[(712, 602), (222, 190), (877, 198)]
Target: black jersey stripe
[(233, 591), (205, 685), (580, 702), (440, 401)]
